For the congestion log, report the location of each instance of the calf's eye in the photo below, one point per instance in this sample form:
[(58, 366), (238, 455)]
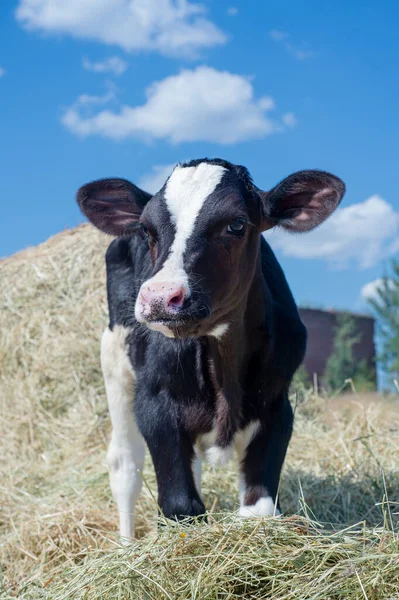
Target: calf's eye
[(145, 230), (148, 234), (237, 227)]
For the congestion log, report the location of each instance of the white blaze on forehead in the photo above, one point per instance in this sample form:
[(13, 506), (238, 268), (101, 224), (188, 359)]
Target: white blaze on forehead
[(185, 194)]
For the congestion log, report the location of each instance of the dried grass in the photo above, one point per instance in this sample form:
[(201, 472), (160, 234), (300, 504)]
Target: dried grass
[(57, 520)]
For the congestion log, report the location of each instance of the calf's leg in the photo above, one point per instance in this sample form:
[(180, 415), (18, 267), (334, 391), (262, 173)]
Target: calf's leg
[(127, 448), (262, 462), (173, 456)]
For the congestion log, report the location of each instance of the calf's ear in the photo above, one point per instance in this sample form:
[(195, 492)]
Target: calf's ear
[(301, 201), (112, 205)]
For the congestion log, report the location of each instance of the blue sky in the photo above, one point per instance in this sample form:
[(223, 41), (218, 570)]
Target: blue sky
[(126, 88)]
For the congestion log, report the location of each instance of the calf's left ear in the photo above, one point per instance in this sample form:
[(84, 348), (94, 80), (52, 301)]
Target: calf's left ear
[(301, 201), (112, 205)]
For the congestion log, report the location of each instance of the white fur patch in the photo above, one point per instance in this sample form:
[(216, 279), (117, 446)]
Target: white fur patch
[(205, 441), (219, 331), (185, 194), (244, 437), (241, 489), (264, 507), (215, 455), (114, 359), (126, 450), (197, 471), (155, 326)]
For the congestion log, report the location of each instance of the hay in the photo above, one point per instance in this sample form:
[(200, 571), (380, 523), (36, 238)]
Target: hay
[(57, 520)]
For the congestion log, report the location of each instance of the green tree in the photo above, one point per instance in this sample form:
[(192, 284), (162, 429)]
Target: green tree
[(341, 364), (385, 306)]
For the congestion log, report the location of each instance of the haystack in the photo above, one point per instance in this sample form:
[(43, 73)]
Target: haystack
[(340, 487)]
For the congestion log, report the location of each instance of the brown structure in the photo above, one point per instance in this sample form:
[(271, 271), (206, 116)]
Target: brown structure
[(320, 325)]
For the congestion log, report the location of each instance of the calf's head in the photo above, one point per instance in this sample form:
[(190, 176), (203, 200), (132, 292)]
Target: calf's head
[(203, 231)]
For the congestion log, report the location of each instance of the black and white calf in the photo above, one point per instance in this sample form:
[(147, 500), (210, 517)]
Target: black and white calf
[(204, 335)]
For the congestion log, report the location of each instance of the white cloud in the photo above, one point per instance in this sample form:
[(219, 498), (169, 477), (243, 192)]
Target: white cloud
[(360, 234), (370, 290), (87, 99), (114, 65), (232, 11), (289, 119), (85, 104), (2, 72), (283, 38), (196, 105), (278, 36), (153, 181), (171, 27), (298, 53)]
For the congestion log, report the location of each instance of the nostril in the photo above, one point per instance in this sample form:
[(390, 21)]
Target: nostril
[(176, 300)]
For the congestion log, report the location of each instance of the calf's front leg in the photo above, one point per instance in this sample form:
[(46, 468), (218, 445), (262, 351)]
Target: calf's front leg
[(173, 456), (262, 461), (126, 450)]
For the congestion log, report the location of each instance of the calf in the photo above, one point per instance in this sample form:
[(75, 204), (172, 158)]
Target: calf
[(204, 335)]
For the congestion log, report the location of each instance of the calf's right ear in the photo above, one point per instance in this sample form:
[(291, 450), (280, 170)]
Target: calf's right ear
[(112, 205), (302, 201)]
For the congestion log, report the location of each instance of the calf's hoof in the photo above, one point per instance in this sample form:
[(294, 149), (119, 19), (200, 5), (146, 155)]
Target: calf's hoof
[(188, 509)]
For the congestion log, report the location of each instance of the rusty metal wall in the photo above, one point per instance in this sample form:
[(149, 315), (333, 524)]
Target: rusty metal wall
[(320, 325)]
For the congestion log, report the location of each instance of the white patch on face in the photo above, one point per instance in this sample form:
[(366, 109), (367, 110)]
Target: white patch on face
[(264, 507), (185, 194), (219, 331)]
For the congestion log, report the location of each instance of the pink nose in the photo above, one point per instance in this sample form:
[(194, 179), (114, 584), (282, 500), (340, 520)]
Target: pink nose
[(170, 296)]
